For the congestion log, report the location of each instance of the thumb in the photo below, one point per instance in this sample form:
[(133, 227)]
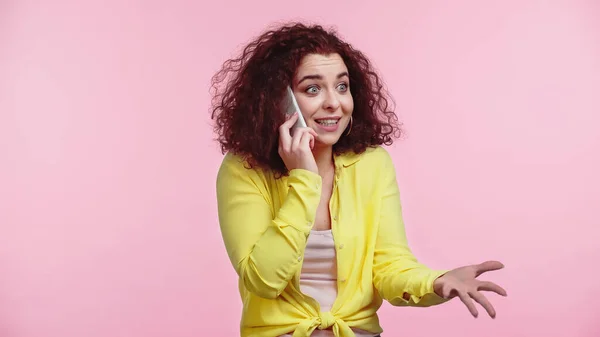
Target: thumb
[(488, 266)]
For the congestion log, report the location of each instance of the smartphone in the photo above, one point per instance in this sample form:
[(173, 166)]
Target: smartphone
[(290, 105)]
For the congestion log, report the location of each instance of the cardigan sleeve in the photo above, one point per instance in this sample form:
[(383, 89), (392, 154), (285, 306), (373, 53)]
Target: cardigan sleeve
[(397, 274), (265, 249)]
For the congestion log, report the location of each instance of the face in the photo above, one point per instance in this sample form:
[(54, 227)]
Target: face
[(322, 89)]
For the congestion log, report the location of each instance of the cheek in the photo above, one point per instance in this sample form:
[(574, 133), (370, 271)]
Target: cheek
[(307, 105), (347, 104)]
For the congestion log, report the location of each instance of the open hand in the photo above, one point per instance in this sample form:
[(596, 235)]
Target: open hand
[(463, 282)]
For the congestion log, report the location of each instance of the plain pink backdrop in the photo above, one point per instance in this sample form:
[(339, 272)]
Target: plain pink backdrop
[(108, 222)]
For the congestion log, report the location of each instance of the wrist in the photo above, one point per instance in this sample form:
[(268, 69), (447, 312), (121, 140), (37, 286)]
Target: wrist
[(438, 284)]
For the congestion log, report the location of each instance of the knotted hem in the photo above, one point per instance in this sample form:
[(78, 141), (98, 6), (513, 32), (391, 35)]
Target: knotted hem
[(325, 320)]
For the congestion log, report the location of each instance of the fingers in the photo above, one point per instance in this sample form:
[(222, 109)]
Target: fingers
[(285, 137), (491, 286), (466, 299), (296, 139), (299, 135), (483, 301), (291, 119), (306, 140), (488, 266)]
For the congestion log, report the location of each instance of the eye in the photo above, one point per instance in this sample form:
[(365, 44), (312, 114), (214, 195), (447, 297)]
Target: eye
[(343, 87), (312, 89)]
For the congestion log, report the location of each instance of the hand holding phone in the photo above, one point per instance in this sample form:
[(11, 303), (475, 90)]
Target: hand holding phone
[(296, 140), (290, 105)]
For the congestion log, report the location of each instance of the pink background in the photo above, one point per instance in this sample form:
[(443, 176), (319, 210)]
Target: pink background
[(108, 221)]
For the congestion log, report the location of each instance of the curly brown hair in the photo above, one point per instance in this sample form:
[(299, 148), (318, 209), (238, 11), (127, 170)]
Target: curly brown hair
[(247, 92)]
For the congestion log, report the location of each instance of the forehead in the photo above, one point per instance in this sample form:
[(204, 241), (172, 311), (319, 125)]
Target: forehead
[(325, 65)]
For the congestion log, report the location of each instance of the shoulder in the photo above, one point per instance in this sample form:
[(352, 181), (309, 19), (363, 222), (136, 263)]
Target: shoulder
[(371, 168), (375, 159), (377, 154), (377, 164), (233, 161), (236, 167)]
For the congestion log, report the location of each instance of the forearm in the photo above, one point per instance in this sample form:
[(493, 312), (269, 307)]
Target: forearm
[(407, 283), (266, 250), (427, 300), (273, 261)]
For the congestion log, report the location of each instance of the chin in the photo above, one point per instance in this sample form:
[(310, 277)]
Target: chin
[(328, 140)]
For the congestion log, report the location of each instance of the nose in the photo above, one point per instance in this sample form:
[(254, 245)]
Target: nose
[(331, 102)]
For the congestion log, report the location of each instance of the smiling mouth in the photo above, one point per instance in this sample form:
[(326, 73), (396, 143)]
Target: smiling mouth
[(327, 122)]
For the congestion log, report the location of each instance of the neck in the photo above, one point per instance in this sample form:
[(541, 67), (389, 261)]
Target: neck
[(324, 158)]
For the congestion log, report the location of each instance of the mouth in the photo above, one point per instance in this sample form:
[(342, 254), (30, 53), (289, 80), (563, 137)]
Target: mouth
[(328, 121)]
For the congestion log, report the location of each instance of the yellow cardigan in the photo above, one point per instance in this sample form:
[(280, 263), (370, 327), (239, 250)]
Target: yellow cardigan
[(265, 223)]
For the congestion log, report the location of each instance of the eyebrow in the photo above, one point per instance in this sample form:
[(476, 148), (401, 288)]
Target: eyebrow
[(319, 77)]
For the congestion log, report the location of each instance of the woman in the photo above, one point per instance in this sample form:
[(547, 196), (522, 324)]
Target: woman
[(311, 216)]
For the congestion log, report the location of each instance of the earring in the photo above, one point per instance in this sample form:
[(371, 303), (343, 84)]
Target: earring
[(349, 127)]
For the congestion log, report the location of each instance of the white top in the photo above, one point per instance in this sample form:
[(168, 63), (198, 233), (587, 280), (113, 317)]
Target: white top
[(318, 278)]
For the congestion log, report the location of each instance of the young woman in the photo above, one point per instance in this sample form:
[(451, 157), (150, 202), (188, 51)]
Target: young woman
[(311, 216)]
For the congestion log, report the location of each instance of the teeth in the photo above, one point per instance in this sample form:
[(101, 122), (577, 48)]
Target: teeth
[(327, 122)]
